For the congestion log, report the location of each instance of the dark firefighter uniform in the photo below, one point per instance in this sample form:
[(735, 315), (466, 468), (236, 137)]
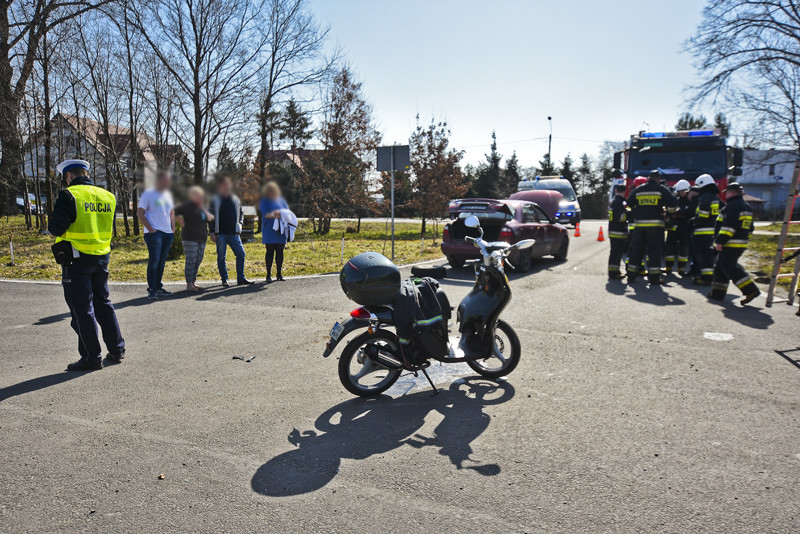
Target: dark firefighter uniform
[(736, 224), (617, 232), (83, 216), (705, 219), (649, 202), (677, 243)]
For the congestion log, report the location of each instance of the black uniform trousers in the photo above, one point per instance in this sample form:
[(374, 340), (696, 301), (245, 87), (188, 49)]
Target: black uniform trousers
[(677, 244), (705, 256), (649, 239), (86, 292), (728, 269), (619, 246)]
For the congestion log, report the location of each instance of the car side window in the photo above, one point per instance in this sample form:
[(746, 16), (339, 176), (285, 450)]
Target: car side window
[(529, 214)]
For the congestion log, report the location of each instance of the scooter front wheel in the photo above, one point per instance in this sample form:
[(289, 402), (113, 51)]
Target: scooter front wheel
[(360, 374), (506, 352)]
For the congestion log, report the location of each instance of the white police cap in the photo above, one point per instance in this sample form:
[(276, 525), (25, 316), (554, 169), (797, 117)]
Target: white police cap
[(71, 164)]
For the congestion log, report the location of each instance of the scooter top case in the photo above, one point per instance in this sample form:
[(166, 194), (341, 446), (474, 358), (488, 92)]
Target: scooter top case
[(370, 279)]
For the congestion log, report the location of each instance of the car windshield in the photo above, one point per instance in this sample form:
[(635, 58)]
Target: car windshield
[(565, 190), (688, 162)]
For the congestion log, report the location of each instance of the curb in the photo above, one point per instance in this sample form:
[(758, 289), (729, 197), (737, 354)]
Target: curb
[(181, 282)]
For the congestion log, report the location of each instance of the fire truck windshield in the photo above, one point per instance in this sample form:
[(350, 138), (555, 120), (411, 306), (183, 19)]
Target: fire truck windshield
[(679, 163)]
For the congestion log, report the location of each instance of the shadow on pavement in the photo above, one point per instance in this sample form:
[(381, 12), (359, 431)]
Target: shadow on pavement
[(35, 384), (650, 294), (747, 316), (616, 287), (219, 291), (138, 301), (793, 361), (360, 428)]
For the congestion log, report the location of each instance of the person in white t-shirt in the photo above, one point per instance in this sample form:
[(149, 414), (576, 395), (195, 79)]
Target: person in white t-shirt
[(157, 215)]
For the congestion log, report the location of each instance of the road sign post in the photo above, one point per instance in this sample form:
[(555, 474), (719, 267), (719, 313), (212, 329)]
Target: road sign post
[(391, 158)]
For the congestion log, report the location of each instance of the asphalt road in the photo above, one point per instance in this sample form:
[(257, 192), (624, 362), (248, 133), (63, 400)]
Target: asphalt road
[(634, 409)]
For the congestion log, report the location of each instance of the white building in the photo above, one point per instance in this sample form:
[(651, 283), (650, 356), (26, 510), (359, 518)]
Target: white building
[(767, 174)]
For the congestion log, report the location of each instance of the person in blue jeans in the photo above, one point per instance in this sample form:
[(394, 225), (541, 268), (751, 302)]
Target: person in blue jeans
[(225, 229), (157, 215)]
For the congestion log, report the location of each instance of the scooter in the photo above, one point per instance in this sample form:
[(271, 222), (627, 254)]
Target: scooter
[(373, 361)]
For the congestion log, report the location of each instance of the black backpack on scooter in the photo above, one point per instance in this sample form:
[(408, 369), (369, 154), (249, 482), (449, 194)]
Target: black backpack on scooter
[(421, 313)]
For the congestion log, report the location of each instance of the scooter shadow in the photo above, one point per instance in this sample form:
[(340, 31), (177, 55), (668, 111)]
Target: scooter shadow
[(360, 428)]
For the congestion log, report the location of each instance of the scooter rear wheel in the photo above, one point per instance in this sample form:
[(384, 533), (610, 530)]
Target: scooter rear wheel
[(360, 374), (505, 356)]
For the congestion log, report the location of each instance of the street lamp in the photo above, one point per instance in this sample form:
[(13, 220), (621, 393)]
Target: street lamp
[(550, 140)]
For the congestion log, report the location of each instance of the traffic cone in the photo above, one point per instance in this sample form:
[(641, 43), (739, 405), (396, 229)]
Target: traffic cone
[(577, 229), (600, 236)]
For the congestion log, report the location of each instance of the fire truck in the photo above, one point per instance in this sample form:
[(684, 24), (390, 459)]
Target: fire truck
[(681, 155)]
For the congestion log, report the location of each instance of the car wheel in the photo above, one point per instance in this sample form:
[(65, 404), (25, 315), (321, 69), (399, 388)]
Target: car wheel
[(455, 263), (561, 255), (524, 262)]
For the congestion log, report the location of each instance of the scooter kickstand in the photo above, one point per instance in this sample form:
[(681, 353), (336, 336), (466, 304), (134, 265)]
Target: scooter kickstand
[(435, 389)]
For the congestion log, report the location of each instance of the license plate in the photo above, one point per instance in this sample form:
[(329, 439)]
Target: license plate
[(336, 331)]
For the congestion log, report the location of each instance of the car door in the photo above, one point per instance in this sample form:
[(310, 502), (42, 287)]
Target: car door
[(550, 234), (533, 229)]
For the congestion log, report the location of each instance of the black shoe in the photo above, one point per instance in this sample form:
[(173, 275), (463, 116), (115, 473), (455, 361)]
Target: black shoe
[(280, 278), (163, 292), (632, 277), (152, 295), (750, 298), (656, 282), (244, 282), (716, 296), (84, 365), (225, 283), (700, 282), (269, 279), (616, 276), (116, 358)]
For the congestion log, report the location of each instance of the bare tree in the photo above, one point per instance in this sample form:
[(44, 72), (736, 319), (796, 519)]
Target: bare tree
[(295, 59), (23, 24), (749, 54), (213, 50)]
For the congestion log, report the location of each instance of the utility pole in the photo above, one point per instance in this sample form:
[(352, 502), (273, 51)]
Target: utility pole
[(550, 140)]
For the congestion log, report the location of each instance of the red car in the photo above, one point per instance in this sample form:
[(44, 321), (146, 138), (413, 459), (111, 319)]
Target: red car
[(503, 220)]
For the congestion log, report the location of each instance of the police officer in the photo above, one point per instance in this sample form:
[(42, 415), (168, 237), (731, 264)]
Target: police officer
[(83, 218), (678, 231), (617, 232), (705, 219), (650, 201), (736, 224)]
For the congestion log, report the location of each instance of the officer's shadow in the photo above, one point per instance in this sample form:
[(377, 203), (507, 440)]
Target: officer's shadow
[(138, 301), (359, 428), (652, 294)]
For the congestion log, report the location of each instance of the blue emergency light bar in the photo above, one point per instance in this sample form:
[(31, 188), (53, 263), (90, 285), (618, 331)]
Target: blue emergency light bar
[(685, 133)]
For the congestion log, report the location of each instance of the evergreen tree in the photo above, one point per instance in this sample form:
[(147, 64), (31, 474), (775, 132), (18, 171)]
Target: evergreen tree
[(488, 183), (546, 167), (511, 176), (722, 122), (295, 125), (567, 170), (584, 176), (687, 121)]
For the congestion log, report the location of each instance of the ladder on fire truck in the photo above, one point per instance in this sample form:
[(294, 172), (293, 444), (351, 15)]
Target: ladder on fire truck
[(794, 252)]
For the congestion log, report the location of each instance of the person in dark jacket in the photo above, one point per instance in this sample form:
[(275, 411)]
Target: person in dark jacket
[(617, 232), (705, 219), (736, 224), (83, 219), (650, 201), (225, 229), (694, 198), (193, 216), (677, 244)]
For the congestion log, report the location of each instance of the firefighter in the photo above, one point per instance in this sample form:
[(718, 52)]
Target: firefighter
[(694, 198), (638, 181), (678, 231), (736, 224), (649, 201), (705, 218), (83, 218), (617, 232)]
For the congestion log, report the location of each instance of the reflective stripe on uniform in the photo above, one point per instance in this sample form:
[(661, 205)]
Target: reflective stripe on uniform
[(727, 230), (621, 235), (650, 223), (708, 271), (744, 282), (704, 231), (736, 243)]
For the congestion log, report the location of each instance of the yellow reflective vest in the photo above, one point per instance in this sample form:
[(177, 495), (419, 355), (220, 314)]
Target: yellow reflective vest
[(91, 232)]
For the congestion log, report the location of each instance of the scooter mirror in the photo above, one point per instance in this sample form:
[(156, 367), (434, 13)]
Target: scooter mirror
[(525, 243), (472, 222)]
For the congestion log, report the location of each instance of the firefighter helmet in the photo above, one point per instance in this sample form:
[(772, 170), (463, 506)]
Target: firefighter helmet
[(639, 180), (682, 185), (704, 180)]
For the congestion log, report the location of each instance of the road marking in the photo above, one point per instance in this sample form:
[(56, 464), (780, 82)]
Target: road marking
[(718, 336)]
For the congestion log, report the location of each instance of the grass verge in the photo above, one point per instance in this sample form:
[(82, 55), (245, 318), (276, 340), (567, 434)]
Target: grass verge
[(308, 254)]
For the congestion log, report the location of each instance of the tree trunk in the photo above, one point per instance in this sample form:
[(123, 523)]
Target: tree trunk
[(135, 203), (424, 220), (358, 227)]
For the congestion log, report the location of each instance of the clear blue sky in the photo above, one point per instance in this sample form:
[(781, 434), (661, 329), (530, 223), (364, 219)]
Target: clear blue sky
[(600, 68)]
